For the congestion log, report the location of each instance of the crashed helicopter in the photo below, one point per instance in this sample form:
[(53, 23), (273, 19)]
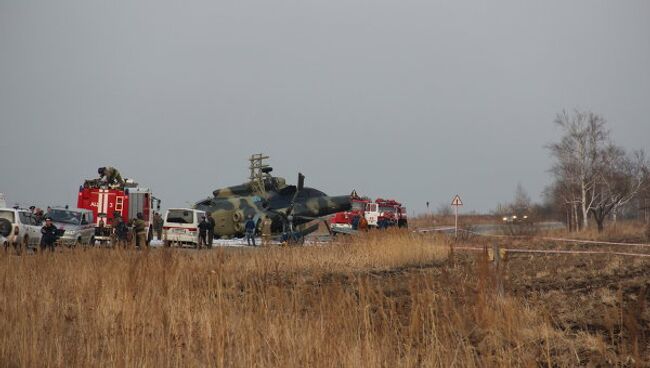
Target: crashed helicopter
[(269, 200)]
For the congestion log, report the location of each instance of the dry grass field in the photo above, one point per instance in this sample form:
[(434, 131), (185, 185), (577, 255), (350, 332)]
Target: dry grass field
[(381, 300)]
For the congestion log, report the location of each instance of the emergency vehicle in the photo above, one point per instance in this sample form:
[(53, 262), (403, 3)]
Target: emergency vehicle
[(127, 201), (378, 213), (342, 221)]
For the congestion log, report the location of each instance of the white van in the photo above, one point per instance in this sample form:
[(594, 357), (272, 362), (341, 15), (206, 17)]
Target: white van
[(181, 226)]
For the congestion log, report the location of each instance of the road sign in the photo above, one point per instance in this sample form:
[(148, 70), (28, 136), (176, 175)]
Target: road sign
[(456, 202)]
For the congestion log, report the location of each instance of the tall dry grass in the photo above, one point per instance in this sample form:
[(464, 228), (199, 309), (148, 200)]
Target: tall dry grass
[(358, 303)]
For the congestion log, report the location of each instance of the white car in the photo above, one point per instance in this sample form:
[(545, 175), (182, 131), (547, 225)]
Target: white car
[(20, 228), (181, 226)]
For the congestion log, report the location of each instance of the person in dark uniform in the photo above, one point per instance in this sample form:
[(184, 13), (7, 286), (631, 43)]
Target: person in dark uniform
[(121, 232), (250, 230), (48, 232), (158, 225), (355, 222), (211, 230), (204, 229)]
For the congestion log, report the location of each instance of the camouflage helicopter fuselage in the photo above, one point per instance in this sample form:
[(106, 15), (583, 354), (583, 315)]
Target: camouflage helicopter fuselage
[(271, 199)]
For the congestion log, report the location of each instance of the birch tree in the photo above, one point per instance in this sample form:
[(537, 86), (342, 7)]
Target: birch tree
[(592, 172), (620, 178), (577, 155)]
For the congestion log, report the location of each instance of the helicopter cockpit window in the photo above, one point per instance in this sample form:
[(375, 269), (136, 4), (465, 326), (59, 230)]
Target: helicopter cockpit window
[(180, 216)]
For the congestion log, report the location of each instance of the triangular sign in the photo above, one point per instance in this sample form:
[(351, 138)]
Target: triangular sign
[(457, 201)]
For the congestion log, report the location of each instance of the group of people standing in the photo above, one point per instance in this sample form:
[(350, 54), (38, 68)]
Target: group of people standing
[(359, 223), (120, 236), (206, 231)]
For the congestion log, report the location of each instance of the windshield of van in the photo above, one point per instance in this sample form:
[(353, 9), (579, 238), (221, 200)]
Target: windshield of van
[(9, 215), (180, 216), (65, 216)]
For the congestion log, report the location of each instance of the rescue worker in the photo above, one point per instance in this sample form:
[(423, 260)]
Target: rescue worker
[(158, 225), (211, 230), (48, 238), (110, 176), (140, 231), (39, 215), (249, 227), (363, 223), (204, 229), (355, 222), (266, 230), (121, 231)]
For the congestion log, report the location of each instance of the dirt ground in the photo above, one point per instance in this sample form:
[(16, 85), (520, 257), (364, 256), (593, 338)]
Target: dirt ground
[(382, 299)]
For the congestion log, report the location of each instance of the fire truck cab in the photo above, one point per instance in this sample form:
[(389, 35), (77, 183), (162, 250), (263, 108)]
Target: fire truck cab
[(386, 213)]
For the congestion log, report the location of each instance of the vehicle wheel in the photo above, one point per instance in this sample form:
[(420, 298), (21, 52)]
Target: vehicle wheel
[(91, 242), (168, 243), (5, 227), (77, 243)]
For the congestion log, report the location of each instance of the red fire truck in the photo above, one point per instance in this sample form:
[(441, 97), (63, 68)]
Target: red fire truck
[(380, 213), (386, 213), (107, 202), (342, 221)]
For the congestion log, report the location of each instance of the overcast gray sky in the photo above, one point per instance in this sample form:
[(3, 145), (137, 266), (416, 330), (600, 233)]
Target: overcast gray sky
[(417, 100)]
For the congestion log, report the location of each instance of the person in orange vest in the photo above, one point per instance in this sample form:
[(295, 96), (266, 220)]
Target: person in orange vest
[(363, 224)]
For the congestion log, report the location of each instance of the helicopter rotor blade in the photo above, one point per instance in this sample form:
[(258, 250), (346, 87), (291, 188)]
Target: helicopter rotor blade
[(299, 188)]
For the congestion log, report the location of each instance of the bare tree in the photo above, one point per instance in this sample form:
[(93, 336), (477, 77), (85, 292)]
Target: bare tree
[(591, 172), (565, 194), (644, 199), (620, 178), (577, 155)]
